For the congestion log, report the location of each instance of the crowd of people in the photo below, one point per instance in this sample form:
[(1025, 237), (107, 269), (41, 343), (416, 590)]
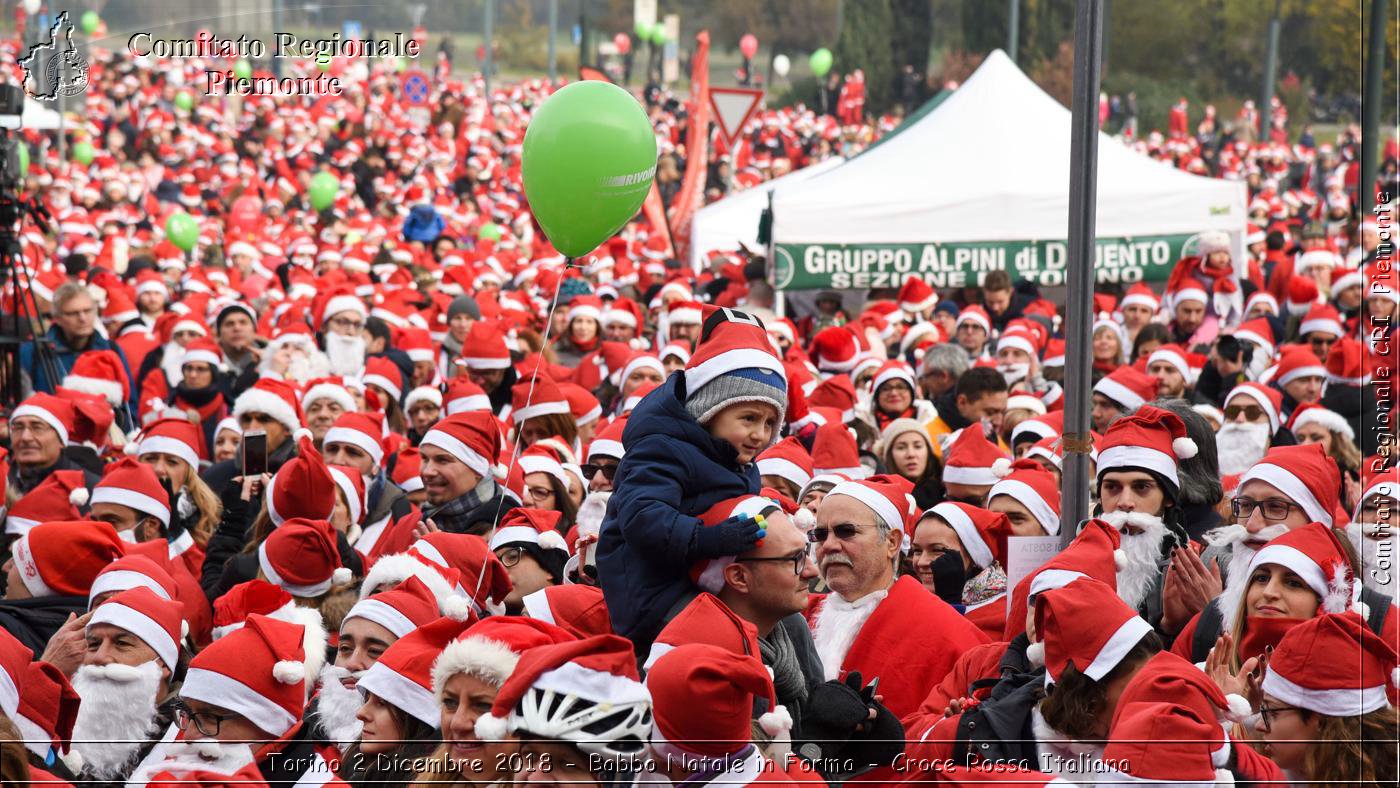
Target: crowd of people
[(393, 494)]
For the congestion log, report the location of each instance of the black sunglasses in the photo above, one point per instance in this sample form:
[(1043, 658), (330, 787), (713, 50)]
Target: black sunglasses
[(593, 469), (845, 532)]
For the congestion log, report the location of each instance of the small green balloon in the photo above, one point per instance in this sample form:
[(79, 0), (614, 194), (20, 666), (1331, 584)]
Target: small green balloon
[(642, 29), (323, 190), (658, 34), (489, 232), (820, 62), (182, 230), (242, 69), (90, 21), (23, 160), (83, 153), (401, 65), (184, 100), (588, 162), (323, 62)]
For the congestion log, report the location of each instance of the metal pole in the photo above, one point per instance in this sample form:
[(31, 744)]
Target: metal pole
[(1013, 27), (487, 33), (1083, 183), (1372, 109), (553, 34), (1266, 104)]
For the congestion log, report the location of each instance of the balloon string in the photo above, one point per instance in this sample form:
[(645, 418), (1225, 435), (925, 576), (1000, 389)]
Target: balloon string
[(530, 394)]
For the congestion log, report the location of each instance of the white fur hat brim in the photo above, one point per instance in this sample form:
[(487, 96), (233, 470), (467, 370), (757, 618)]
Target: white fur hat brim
[(259, 401), (489, 660)]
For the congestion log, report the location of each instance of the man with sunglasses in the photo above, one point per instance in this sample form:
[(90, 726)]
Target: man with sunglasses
[(864, 624), (1252, 424)]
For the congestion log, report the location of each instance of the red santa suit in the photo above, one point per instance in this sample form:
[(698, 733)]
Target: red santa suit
[(873, 635), (975, 664)]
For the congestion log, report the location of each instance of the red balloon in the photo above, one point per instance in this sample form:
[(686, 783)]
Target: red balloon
[(748, 45), (623, 42), (245, 215)]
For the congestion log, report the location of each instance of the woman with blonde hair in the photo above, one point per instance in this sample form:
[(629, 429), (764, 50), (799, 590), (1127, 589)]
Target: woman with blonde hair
[(1313, 423), (174, 448)]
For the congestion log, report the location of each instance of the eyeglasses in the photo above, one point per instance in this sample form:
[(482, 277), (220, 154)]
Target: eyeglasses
[(1274, 508), (206, 722), (1251, 412), (593, 469), (345, 324), (1267, 713), (845, 532), (798, 560), (510, 556), (1322, 340)]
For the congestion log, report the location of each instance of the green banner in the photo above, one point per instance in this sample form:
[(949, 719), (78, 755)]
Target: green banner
[(946, 265)]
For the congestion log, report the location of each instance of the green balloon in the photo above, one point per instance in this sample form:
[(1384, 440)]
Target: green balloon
[(588, 162), (90, 21), (323, 62), (184, 100), (658, 34), (23, 161), (401, 65), (820, 62), (489, 232), (182, 230), (83, 153), (642, 29), (324, 189), (242, 69)]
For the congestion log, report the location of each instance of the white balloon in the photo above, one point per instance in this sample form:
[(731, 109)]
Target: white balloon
[(32, 6), (781, 64)]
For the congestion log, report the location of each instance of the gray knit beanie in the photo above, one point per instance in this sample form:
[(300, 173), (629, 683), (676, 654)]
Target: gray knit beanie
[(464, 305), (749, 384)]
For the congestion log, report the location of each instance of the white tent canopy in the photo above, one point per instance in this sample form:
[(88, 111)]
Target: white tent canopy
[(991, 164), (726, 223)]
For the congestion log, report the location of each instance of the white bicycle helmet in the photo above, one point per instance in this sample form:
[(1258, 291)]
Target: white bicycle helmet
[(616, 731)]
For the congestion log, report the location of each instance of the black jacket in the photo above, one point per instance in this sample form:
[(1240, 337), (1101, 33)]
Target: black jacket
[(998, 730), (24, 481), (34, 621)]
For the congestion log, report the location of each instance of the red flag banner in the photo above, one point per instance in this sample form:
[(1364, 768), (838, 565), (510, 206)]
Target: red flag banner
[(655, 211), (697, 138)]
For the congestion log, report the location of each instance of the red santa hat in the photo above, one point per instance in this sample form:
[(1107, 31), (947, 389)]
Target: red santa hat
[(736, 356), (484, 347), (1020, 338), (102, 373), (972, 459), (641, 361), (708, 574), (1185, 289), (1302, 293), (1085, 624), (14, 661), (337, 301), (589, 306), (232, 608), (1163, 743), (365, 431), (479, 575), (835, 349), (977, 316), (490, 649), (678, 349), (274, 398), (705, 620), (578, 609), (1128, 387), (380, 371), (57, 497), (134, 571), (1167, 678), (1178, 357), (1344, 365), (701, 676), (180, 438), (583, 406), (1034, 487), (133, 484), (158, 622), (537, 396), (1269, 399), (1298, 362), (1306, 474), (608, 441), (1333, 665), (537, 527), (53, 411), (1140, 295), (893, 370), (1261, 297), (429, 394), (598, 670), (403, 674), (983, 533), (48, 707), (302, 487), (834, 451), (400, 610), (539, 459), (301, 555), (837, 393), (333, 389), (1316, 556), (684, 313), (1093, 553), (1324, 318), (62, 558), (1314, 413), (916, 297), (463, 396), (257, 672), (1259, 331), (1152, 439), (351, 484), (1037, 427), (473, 438), (787, 459), (891, 498)]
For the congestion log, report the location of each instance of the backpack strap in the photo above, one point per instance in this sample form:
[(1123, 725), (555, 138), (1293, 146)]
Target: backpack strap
[(1207, 630)]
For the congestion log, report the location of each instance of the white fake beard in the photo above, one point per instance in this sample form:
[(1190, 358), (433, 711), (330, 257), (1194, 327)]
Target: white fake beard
[(116, 717), (1141, 552), (591, 512), (1242, 547), (336, 705), (1014, 373), (346, 354), (1378, 559), (172, 360), (1258, 364), (1241, 445), (208, 755), (836, 626)]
